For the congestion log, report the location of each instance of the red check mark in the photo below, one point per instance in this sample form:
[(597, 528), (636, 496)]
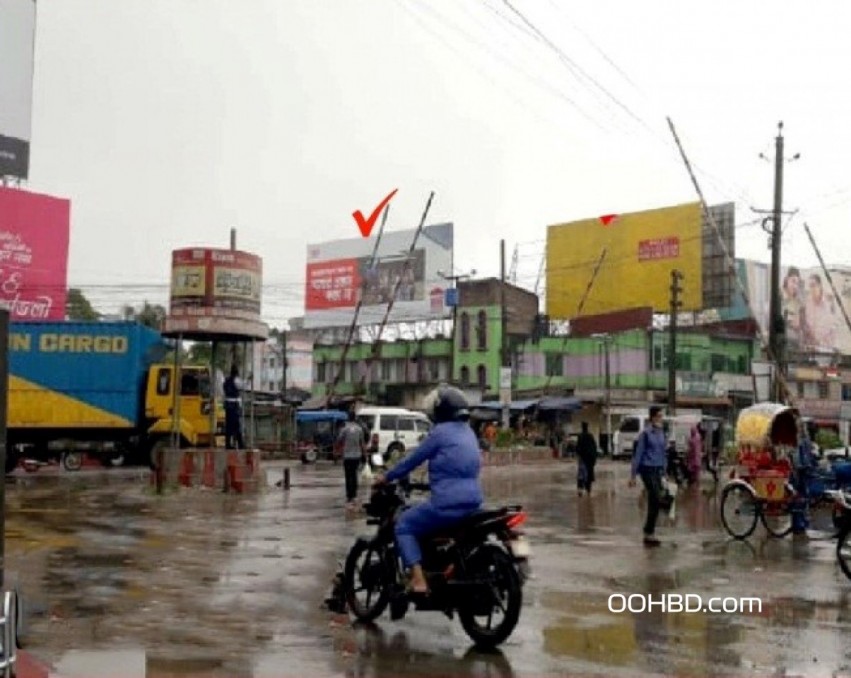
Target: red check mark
[(365, 225)]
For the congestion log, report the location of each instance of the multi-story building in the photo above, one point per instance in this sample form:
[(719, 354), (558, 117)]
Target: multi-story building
[(713, 370), (269, 364)]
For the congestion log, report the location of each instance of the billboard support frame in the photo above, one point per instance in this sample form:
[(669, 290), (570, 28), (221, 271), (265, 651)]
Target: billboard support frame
[(376, 346), (354, 323)]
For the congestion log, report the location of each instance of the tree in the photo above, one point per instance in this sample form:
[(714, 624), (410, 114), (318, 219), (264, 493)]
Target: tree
[(150, 315), (78, 307)]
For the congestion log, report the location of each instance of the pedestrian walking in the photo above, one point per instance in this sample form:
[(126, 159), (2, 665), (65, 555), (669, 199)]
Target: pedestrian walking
[(586, 452), (233, 411), (695, 454), (649, 462), (353, 442)]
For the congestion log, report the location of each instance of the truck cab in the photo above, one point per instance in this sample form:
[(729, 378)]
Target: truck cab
[(193, 406)]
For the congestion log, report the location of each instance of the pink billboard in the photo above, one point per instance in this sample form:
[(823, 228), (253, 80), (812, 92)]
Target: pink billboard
[(33, 254)]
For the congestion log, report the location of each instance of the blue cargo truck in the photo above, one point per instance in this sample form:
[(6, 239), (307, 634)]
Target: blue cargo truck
[(100, 387)]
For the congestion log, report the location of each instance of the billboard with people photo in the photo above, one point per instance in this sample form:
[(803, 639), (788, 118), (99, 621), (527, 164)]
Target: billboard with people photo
[(813, 315)]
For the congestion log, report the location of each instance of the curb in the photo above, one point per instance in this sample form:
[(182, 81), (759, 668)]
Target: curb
[(28, 666)]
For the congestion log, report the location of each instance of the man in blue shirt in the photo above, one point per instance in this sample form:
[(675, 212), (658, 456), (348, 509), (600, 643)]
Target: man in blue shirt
[(454, 463), (649, 461)]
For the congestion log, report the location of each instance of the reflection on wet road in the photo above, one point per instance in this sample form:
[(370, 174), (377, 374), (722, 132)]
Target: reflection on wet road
[(202, 583)]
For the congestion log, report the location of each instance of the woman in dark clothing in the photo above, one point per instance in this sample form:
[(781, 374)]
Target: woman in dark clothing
[(586, 451)]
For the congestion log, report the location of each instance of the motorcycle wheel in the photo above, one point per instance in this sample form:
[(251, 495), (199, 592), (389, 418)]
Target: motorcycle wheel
[(368, 585), (492, 563), (843, 550)]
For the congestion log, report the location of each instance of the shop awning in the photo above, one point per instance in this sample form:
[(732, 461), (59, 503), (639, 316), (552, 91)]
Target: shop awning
[(560, 403), (516, 406)]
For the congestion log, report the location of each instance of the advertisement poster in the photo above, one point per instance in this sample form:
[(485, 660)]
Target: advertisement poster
[(342, 272), (814, 320), (34, 231), (17, 51)]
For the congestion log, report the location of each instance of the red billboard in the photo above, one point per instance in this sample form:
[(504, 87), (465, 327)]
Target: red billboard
[(33, 254), (332, 284)]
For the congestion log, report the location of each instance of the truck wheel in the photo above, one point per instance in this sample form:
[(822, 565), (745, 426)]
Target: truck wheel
[(72, 461), (153, 455), (115, 459), (11, 461)]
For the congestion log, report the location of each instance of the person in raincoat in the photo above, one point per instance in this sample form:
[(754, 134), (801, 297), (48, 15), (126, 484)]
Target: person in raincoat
[(695, 453), (454, 464)]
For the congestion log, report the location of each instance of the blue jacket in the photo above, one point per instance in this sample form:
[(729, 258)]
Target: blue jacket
[(454, 462), (651, 450)]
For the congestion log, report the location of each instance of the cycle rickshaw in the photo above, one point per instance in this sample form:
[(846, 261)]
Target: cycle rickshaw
[(760, 486), (772, 480)]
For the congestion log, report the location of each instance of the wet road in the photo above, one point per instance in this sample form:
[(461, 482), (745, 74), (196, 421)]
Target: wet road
[(121, 582)]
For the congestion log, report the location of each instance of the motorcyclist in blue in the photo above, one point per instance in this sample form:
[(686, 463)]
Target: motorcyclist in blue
[(454, 464)]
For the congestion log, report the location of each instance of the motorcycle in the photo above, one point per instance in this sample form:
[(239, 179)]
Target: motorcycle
[(676, 470), (476, 568)]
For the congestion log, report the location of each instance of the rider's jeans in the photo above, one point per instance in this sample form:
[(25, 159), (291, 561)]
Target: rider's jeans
[(421, 520)]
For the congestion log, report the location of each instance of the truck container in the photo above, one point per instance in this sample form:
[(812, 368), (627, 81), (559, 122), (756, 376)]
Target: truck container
[(99, 386)]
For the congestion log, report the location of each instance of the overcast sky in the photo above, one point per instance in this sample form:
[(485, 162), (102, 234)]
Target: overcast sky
[(166, 122)]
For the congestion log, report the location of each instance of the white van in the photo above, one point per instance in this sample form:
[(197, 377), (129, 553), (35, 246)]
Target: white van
[(631, 425), (393, 431)]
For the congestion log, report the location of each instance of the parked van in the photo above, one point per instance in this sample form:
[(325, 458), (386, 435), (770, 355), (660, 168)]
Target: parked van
[(393, 431), (632, 425)]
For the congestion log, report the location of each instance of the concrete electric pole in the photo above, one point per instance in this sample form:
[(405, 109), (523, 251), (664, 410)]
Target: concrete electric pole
[(676, 277), (776, 322)]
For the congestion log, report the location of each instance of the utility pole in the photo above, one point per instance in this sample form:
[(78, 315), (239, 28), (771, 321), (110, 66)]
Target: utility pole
[(455, 279), (606, 339), (676, 277), (776, 322), (608, 397), (506, 408), (776, 328), (283, 365)]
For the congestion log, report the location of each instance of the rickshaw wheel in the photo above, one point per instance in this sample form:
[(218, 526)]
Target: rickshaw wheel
[(843, 550), (777, 518), (739, 511)]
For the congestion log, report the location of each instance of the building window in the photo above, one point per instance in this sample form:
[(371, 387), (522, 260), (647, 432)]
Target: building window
[(800, 386), (386, 370), (163, 381), (684, 362), (660, 357), (465, 376), (482, 375), (846, 392), (465, 332), (743, 364), (320, 372), (482, 331), (719, 362), (434, 369), (271, 363), (823, 390), (555, 365)]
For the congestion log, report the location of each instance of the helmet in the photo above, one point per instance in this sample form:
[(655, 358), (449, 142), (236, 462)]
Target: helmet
[(447, 403)]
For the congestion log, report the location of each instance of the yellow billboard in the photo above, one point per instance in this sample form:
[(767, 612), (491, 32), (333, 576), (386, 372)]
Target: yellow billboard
[(641, 249)]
